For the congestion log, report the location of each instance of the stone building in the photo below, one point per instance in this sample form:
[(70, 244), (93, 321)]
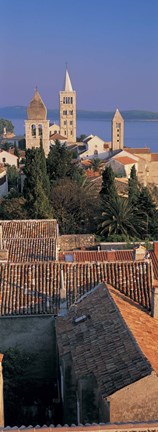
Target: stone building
[(37, 125), (108, 359), (68, 110), (117, 134)]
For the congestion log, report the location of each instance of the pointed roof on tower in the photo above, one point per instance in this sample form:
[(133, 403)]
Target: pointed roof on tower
[(117, 115), (37, 109), (67, 83)]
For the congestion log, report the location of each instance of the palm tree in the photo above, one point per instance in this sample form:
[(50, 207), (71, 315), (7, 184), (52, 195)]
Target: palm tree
[(120, 218)]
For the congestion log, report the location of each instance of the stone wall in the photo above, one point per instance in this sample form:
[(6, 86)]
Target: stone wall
[(34, 336), (76, 241)]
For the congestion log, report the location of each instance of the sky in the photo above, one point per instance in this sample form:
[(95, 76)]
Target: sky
[(111, 47)]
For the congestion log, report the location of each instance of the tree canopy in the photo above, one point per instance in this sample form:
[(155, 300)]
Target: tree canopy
[(6, 124)]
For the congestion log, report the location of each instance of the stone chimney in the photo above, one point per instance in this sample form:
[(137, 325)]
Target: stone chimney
[(63, 300), (154, 300), (155, 243), (3, 252), (1, 393), (139, 253)]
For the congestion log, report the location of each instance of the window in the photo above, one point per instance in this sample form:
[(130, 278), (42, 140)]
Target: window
[(96, 152), (3, 160), (118, 125), (64, 100), (71, 100), (40, 131), (65, 132), (65, 112), (33, 129), (71, 112), (71, 132), (71, 122), (65, 122)]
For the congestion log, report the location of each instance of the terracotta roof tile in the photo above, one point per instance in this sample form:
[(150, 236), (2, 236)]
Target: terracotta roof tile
[(143, 327), (125, 160), (154, 157), (28, 228), (35, 288), (30, 249), (106, 347), (142, 150)]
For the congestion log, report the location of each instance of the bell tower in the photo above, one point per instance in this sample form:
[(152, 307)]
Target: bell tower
[(68, 110), (117, 131), (37, 125)]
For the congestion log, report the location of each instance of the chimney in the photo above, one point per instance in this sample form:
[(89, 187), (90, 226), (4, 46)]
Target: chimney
[(139, 253), (63, 299), (155, 243), (3, 252), (154, 301)]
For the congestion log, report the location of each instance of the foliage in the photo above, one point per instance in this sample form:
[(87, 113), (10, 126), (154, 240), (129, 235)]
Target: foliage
[(148, 208), (108, 184), (36, 185), (16, 151), (119, 218), (13, 208), (133, 187), (81, 138), (6, 124), (13, 177), (73, 204), (59, 162), (96, 164)]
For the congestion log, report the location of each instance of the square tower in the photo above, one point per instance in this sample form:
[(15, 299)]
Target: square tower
[(37, 125), (117, 131), (68, 110)]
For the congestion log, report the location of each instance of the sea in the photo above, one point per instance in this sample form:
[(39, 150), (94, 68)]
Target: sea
[(136, 133)]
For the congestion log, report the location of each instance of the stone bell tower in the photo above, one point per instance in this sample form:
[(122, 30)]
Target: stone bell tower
[(37, 125), (68, 110), (117, 131)]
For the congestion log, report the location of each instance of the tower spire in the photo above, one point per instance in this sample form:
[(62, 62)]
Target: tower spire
[(67, 83)]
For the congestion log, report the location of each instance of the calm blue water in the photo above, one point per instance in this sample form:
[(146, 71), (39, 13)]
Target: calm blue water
[(137, 133)]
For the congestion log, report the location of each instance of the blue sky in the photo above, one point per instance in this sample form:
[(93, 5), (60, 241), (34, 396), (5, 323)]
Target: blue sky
[(111, 47)]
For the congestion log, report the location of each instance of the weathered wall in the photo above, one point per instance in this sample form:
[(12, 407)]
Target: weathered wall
[(35, 336), (137, 402), (76, 241)]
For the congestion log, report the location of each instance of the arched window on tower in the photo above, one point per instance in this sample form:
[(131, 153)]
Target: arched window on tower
[(33, 130), (40, 130)]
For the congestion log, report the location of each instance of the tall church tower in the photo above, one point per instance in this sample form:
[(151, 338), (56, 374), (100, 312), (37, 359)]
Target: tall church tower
[(37, 125), (117, 131), (68, 110)]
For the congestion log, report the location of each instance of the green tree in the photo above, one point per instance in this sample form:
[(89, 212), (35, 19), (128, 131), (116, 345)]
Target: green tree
[(148, 209), (13, 208), (81, 138), (73, 204), (13, 177), (133, 187), (96, 164), (119, 218), (6, 124), (36, 185), (59, 162), (108, 189)]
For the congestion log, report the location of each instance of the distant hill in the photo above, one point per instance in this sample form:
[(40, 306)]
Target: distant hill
[(20, 112)]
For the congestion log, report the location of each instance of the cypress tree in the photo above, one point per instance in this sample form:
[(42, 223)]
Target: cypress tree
[(133, 187), (108, 190), (35, 190)]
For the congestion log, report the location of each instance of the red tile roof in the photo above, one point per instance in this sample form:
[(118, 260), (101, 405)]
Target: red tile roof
[(142, 150), (154, 157), (14, 229), (143, 327), (125, 160), (30, 249), (35, 288), (101, 345)]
